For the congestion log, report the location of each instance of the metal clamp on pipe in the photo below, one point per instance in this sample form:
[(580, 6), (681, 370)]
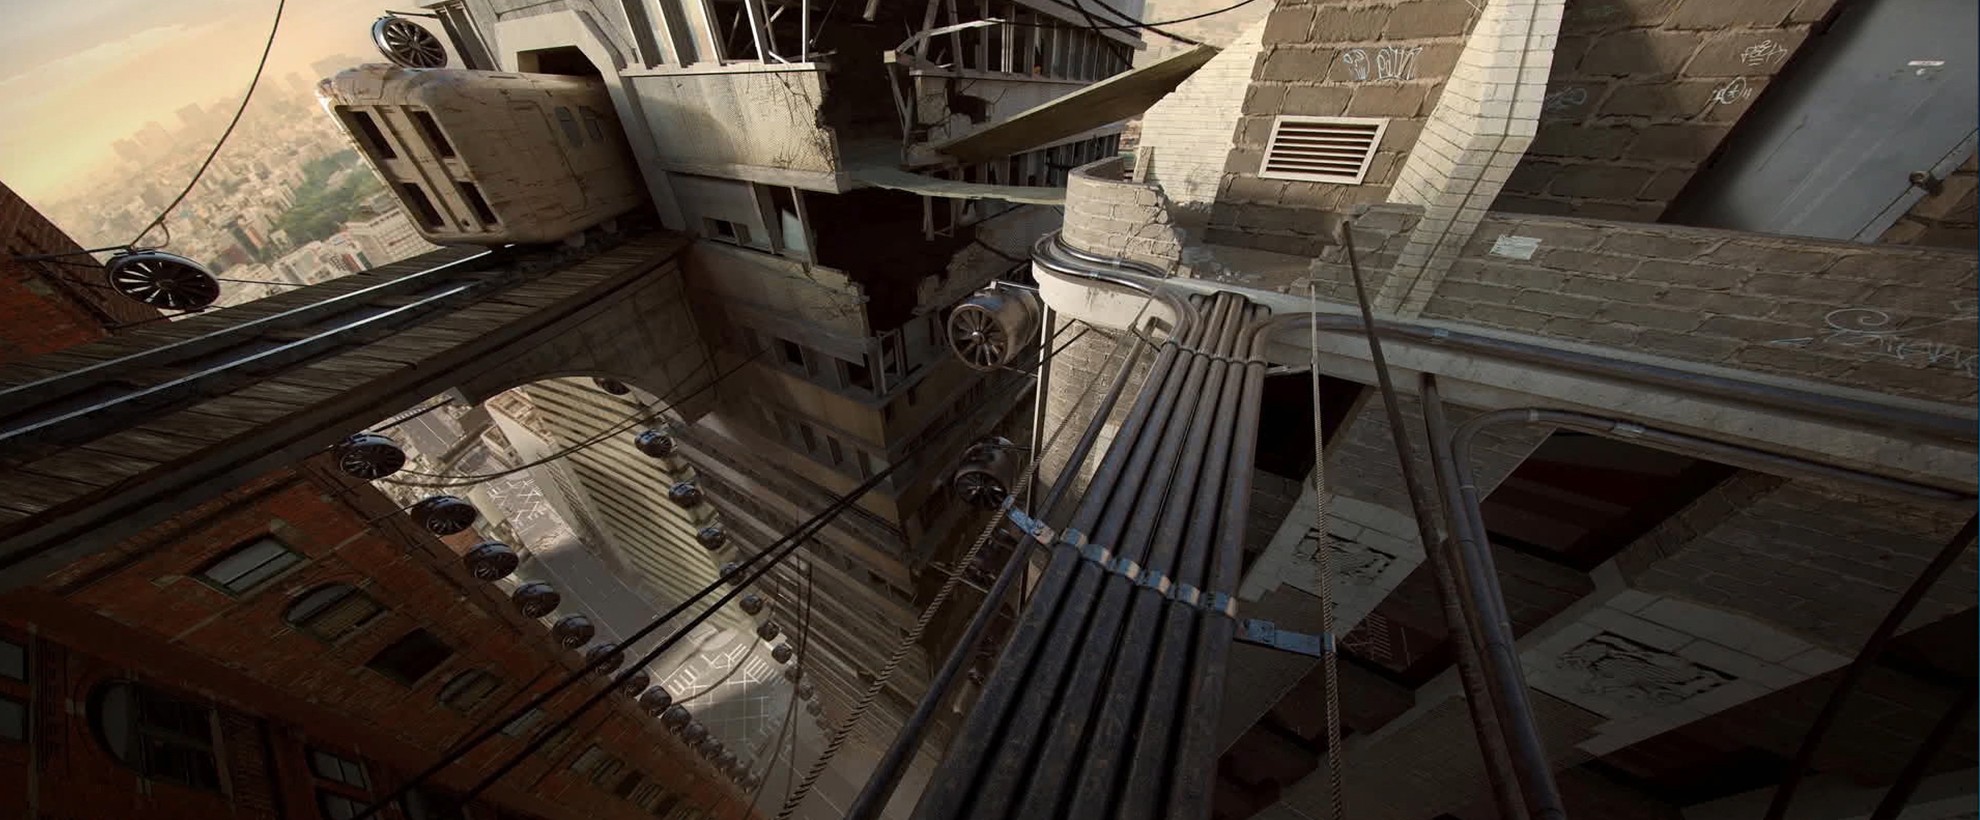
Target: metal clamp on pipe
[(1264, 633)]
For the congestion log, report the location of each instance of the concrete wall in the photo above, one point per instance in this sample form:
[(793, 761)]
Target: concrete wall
[(1642, 91), (1899, 321), (759, 123)]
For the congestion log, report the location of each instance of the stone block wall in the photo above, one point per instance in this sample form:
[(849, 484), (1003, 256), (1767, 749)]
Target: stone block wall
[(1895, 320), (1947, 219), (1387, 58), (1111, 215), (1642, 91)]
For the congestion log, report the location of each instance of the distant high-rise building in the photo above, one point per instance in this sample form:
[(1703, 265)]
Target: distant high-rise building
[(129, 150), (153, 137), (192, 116), (386, 237)]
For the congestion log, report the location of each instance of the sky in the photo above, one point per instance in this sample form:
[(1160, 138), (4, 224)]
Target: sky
[(78, 75)]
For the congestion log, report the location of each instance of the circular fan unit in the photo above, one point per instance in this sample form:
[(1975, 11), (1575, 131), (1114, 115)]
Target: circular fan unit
[(573, 631), (536, 600), (369, 456), (407, 43), (493, 561), (444, 514), (612, 386), (752, 603), (988, 329), (676, 717), (656, 443), (988, 468), (657, 700), (162, 280), (607, 655), (712, 537)]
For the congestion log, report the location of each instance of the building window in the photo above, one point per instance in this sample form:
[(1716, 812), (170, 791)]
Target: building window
[(592, 125), (13, 660), (160, 736), (523, 723), (338, 769), (410, 658), (249, 566), (368, 135), (793, 354), (567, 121), (13, 719), (627, 785), (332, 611), (337, 806), (647, 796), (421, 205), (727, 231), (468, 690), (435, 138)]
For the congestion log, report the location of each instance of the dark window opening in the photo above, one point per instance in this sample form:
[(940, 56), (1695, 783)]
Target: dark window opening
[(160, 736), (472, 193), (565, 60), (420, 204), (793, 354), (13, 660), (332, 611), (592, 124), (368, 133), (1579, 498), (338, 769), (858, 376), (790, 226), (435, 139), (568, 121), (249, 566), (727, 231), (1285, 424), (469, 689), (426, 804), (13, 719), (627, 784), (411, 657), (337, 806)]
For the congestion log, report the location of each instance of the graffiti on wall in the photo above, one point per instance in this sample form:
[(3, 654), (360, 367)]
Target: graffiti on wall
[(1388, 64), (1874, 333), (1733, 91)]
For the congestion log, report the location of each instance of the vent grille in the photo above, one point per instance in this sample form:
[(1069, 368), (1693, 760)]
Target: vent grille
[(1322, 149)]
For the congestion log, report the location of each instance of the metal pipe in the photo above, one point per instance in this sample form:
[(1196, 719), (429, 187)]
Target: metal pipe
[(1872, 650), (1488, 711), (1914, 769), (1110, 641), (887, 774), (1040, 391), (1196, 754), (1050, 254), (1106, 512), (954, 782)]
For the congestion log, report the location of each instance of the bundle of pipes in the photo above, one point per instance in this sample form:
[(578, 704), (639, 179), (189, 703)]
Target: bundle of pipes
[(1104, 703)]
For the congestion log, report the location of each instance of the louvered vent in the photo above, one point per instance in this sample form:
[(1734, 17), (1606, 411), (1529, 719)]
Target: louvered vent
[(1322, 149)]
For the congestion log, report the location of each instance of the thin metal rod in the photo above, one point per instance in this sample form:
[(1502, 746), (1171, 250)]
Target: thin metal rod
[(1485, 707), (1040, 392), (887, 774), (1914, 769), (1872, 651), (1529, 753)]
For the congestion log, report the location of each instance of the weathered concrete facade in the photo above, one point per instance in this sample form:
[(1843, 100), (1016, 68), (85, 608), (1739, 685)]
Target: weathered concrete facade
[(1677, 649)]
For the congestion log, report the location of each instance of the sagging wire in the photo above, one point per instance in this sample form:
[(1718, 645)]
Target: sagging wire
[(1323, 547)]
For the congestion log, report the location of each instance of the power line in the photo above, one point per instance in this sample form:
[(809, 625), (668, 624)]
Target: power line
[(210, 155), (788, 544), (1212, 13), (1136, 23)]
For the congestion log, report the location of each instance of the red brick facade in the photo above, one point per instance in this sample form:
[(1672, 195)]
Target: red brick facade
[(272, 692), (47, 306)]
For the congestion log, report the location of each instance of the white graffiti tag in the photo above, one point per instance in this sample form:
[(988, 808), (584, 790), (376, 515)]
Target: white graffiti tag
[(1357, 62), (1762, 53), (1391, 63), (1874, 333), (1732, 92)]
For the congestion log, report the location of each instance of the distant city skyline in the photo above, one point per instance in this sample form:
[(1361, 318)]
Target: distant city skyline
[(79, 76)]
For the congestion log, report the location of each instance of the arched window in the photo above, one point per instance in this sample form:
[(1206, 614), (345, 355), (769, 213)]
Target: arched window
[(331, 611), (160, 736), (468, 690)]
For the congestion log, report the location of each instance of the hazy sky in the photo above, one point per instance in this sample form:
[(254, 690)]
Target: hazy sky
[(77, 75)]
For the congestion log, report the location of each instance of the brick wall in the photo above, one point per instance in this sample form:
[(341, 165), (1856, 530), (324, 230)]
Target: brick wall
[(1188, 132), (1642, 91), (1387, 58), (1093, 360), (1897, 320), (1946, 219), (47, 306), (1110, 215), (142, 609), (1817, 560)]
